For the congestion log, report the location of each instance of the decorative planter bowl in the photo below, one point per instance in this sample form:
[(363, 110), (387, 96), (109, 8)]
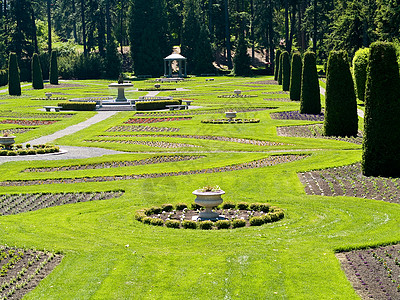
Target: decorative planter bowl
[(230, 114), (237, 92), (48, 95), (157, 85), (7, 140), (208, 200)]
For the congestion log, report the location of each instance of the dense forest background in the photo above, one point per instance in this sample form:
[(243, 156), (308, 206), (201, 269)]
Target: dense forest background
[(91, 35)]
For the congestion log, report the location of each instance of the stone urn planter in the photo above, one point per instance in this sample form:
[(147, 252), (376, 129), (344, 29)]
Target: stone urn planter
[(208, 199), (230, 114), (157, 85), (237, 92), (7, 140), (48, 95)]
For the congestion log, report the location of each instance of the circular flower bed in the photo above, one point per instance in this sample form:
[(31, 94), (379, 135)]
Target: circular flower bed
[(230, 121), (232, 215)]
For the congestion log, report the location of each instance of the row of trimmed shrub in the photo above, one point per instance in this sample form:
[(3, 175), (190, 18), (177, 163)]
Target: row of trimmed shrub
[(154, 105), (31, 151), (273, 214), (220, 224), (262, 207), (3, 77), (80, 106)]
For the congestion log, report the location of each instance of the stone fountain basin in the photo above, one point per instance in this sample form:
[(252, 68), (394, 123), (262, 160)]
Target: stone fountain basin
[(7, 140)]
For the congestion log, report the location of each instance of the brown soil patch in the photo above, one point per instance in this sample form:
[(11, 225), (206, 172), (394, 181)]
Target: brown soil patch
[(373, 273), (349, 181), (315, 131), (22, 270)]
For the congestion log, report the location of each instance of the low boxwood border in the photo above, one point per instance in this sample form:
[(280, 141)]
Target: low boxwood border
[(266, 214)]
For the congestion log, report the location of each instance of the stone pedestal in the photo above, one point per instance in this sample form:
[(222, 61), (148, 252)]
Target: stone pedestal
[(208, 200), (121, 90)]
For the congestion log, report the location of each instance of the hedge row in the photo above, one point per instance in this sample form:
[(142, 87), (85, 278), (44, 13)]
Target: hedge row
[(154, 105), (3, 77), (29, 151), (80, 106)]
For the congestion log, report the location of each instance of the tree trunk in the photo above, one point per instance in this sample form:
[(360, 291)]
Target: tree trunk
[(121, 24), (227, 36), (49, 25), (35, 42), (74, 21), (83, 27), (252, 30), (108, 21), (315, 27), (287, 25)]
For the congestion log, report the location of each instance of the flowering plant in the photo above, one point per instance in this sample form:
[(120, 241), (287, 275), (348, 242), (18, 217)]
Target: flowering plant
[(210, 188)]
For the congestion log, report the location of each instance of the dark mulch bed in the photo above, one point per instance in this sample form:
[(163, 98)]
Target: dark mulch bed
[(315, 131), (276, 92), (206, 137), (25, 270), (157, 144), (296, 115), (268, 161), (118, 164), (278, 99), (373, 273), (349, 181), (12, 204), (12, 131), (35, 115), (264, 82), (134, 128), (63, 85), (204, 112)]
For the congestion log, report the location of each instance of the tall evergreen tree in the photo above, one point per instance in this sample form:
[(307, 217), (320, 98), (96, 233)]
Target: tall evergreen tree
[(112, 62), (381, 145), (14, 84), (241, 60), (310, 101), (280, 69), (295, 77), (360, 63), (277, 67), (37, 78), (196, 46), (53, 68), (148, 33), (285, 71), (340, 99)]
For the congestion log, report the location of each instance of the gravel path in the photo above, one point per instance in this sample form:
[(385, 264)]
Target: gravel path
[(100, 116)]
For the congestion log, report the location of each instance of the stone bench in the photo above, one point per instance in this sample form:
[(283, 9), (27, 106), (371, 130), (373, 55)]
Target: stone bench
[(178, 107), (49, 108), (153, 98)]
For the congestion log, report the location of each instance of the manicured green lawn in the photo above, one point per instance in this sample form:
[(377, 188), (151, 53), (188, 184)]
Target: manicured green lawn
[(110, 255)]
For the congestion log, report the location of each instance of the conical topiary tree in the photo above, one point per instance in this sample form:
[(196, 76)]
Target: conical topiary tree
[(37, 78), (310, 101), (280, 77), (295, 77), (241, 60), (53, 68), (360, 63), (277, 58), (285, 71), (340, 99), (14, 84), (112, 62), (381, 146)]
